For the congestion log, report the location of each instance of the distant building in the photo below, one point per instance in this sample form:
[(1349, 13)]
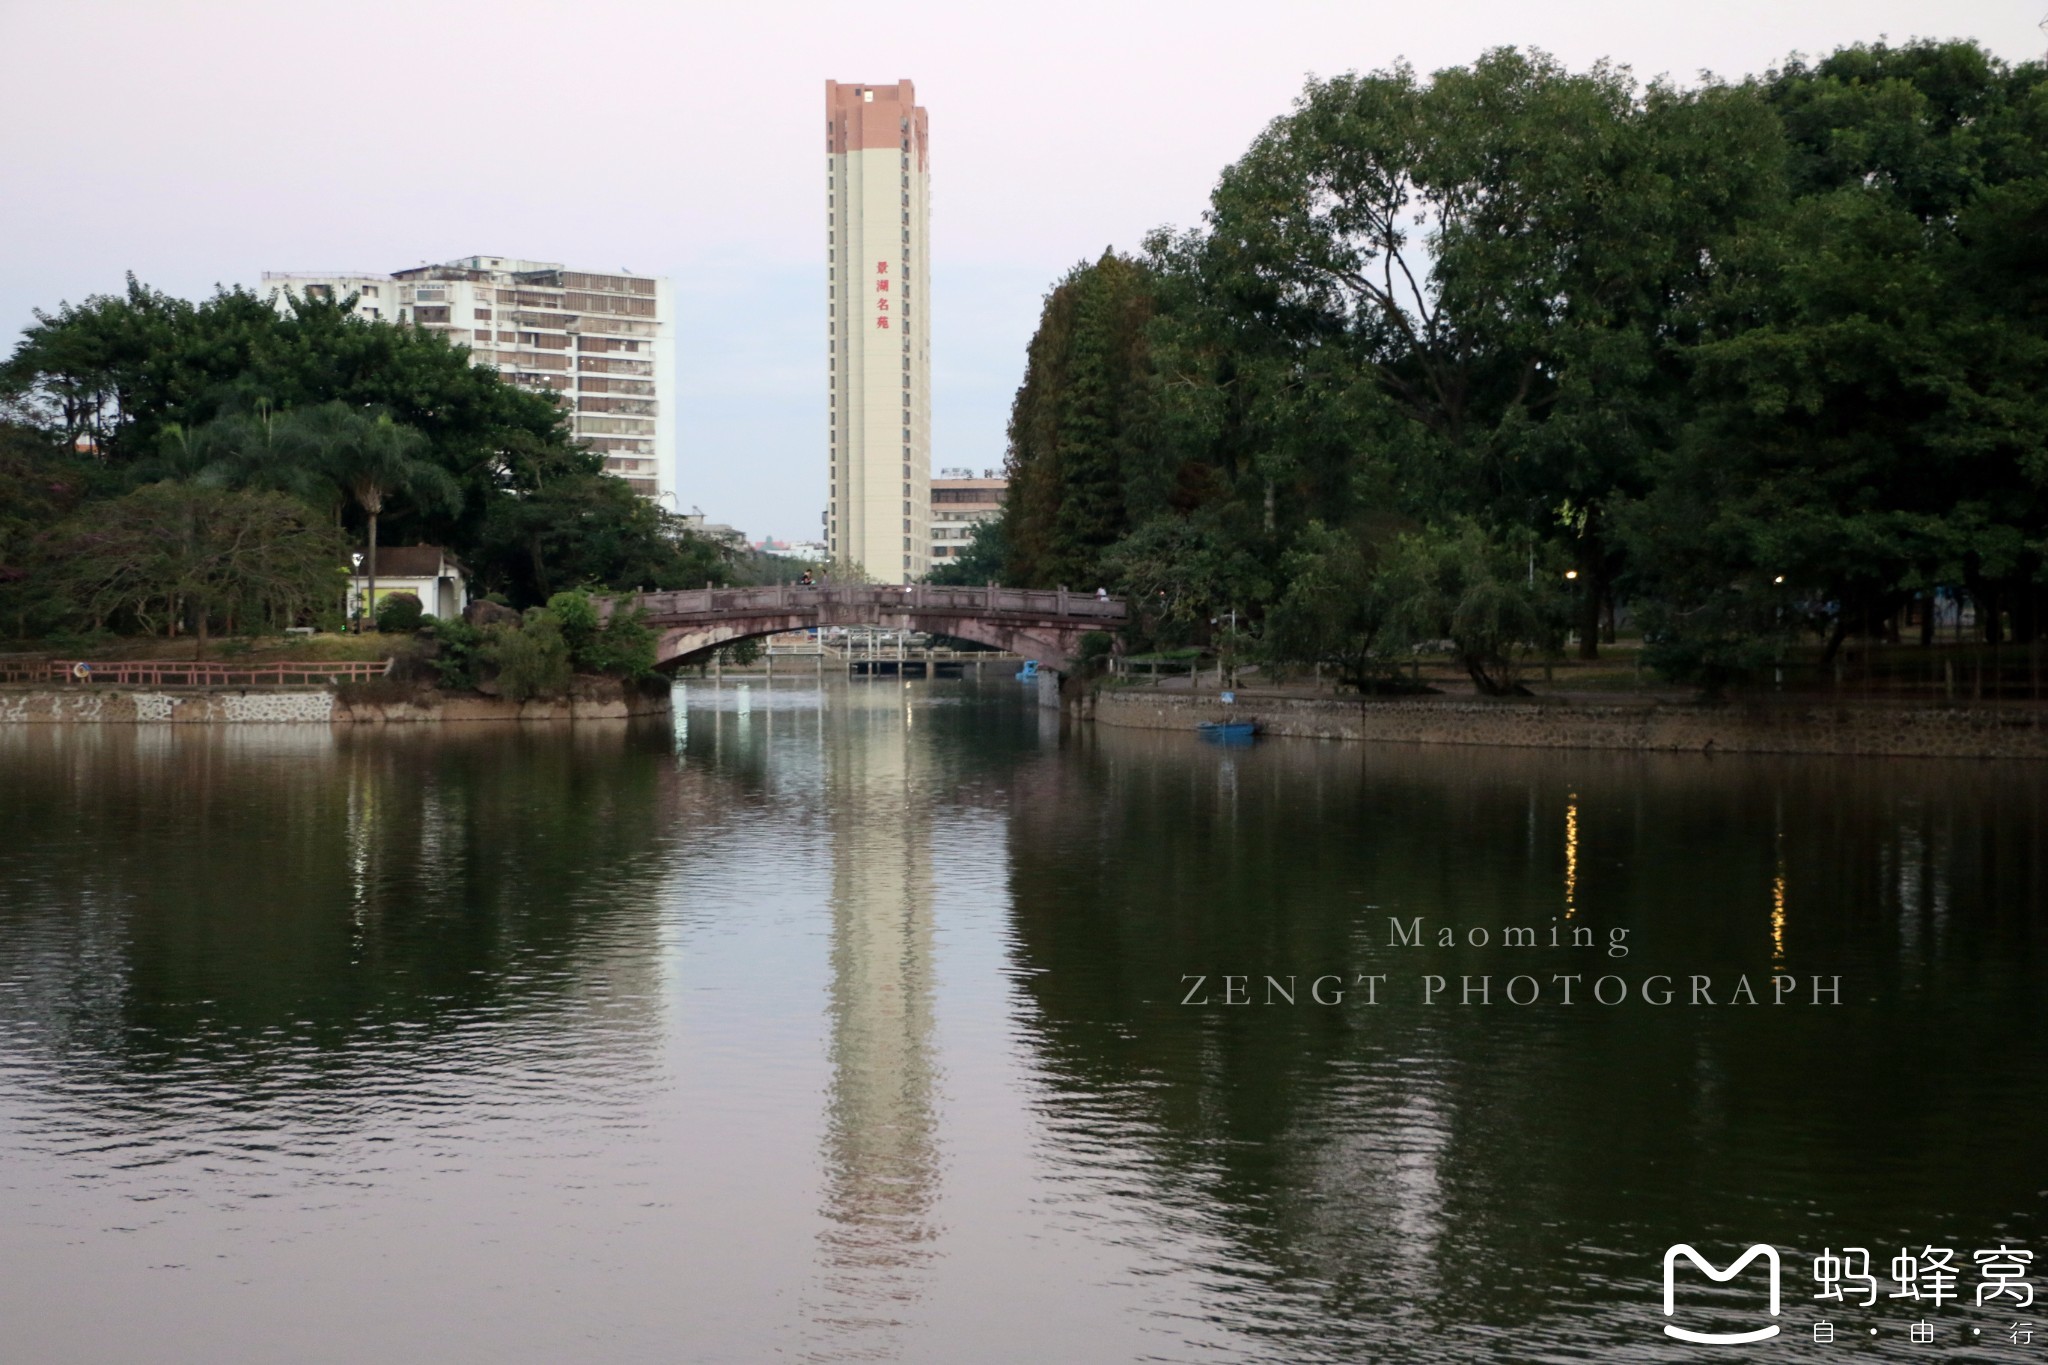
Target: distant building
[(877, 328), (959, 500), (726, 538), (812, 550), (598, 339), (428, 572)]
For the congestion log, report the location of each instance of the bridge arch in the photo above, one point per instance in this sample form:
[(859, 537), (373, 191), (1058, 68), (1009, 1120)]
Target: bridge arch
[(1043, 625)]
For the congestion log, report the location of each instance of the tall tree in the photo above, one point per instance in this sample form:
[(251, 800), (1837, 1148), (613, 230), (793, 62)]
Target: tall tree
[(374, 459), (173, 552), (1079, 424), (1500, 249)]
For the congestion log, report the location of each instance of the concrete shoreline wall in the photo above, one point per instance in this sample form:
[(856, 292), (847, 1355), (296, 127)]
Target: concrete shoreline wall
[(301, 706), (1776, 727)]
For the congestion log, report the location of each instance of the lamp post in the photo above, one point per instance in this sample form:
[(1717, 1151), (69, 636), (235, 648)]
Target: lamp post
[(355, 561)]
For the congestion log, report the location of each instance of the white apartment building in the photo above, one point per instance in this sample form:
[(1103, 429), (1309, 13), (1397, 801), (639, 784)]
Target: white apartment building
[(600, 340), (960, 500), (877, 329)]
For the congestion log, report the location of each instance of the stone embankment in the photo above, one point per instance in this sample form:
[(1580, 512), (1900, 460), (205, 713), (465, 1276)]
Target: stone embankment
[(592, 699), (1777, 726)]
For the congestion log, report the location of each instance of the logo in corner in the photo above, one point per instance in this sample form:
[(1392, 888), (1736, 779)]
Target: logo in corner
[(1671, 1256)]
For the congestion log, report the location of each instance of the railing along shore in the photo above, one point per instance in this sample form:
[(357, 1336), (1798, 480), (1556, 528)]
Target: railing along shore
[(188, 673)]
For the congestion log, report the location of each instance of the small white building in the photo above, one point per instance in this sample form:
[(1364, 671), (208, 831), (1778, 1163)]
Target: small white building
[(428, 572)]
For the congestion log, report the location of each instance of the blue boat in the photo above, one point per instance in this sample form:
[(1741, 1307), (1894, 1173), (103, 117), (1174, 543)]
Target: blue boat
[(1029, 672), (1228, 731)]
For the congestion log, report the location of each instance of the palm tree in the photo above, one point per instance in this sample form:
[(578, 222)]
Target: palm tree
[(255, 449), (372, 458)]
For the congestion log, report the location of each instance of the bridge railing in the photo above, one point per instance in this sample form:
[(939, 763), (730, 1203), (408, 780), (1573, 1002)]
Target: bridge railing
[(1059, 604)]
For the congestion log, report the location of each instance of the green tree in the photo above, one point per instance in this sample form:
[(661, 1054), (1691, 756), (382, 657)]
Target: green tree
[(169, 553), (1340, 607), (577, 527), (40, 484), (1181, 575), (1455, 583), (981, 561), (1498, 248), (1079, 425), (373, 459), (1870, 377)]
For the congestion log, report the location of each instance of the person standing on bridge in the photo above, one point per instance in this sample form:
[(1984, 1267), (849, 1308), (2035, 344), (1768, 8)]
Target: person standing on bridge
[(1102, 594), (805, 581)]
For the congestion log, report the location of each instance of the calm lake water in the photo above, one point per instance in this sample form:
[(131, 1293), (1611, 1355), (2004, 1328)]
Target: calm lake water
[(849, 1024)]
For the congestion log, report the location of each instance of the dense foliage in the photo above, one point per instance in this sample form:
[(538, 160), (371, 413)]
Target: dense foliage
[(381, 432), (1479, 357), (540, 653)]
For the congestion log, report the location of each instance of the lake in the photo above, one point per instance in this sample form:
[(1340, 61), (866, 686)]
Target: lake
[(885, 1021)]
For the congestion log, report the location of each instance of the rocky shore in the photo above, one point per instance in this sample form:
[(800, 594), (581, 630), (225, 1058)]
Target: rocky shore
[(349, 704)]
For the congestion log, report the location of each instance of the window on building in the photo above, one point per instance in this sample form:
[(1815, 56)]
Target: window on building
[(369, 291)]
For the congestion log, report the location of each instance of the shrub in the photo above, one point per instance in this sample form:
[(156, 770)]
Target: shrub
[(622, 647), (456, 654), (576, 615), (533, 661), (399, 613)]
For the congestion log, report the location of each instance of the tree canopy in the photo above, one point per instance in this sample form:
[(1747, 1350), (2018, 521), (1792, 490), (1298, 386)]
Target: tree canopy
[(1749, 359), (383, 431)]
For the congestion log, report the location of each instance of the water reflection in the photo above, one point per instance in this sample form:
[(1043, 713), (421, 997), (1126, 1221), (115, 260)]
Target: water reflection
[(845, 1022), (1498, 1182), (881, 1144), (201, 921)]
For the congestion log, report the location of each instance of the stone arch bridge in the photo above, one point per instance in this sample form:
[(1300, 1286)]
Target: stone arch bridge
[(1042, 625)]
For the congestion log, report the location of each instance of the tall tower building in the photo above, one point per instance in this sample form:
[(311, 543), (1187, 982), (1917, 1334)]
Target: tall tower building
[(878, 330)]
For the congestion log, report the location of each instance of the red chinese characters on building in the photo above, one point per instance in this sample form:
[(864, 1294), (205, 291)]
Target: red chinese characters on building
[(882, 295)]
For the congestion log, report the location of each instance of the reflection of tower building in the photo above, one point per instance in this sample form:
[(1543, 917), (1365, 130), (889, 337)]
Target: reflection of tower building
[(881, 1154), (878, 330)]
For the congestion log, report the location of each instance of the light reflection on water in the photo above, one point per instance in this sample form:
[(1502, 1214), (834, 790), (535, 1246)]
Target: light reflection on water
[(843, 1022)]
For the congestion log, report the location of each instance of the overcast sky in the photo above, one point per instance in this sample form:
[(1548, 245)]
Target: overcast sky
[(196, 142)]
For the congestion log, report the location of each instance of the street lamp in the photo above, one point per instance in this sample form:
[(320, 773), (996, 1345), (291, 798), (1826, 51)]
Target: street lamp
[(1571, 574), (355, 560)]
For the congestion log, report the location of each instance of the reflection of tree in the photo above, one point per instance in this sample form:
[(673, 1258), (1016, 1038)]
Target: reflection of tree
[(881, 1149), (1368, 1168), (282, 910)]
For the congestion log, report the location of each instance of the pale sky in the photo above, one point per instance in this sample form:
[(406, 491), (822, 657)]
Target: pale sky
[(205, 141)]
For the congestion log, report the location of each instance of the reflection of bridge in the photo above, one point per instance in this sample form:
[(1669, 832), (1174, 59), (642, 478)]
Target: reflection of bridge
[(1046, 626)]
